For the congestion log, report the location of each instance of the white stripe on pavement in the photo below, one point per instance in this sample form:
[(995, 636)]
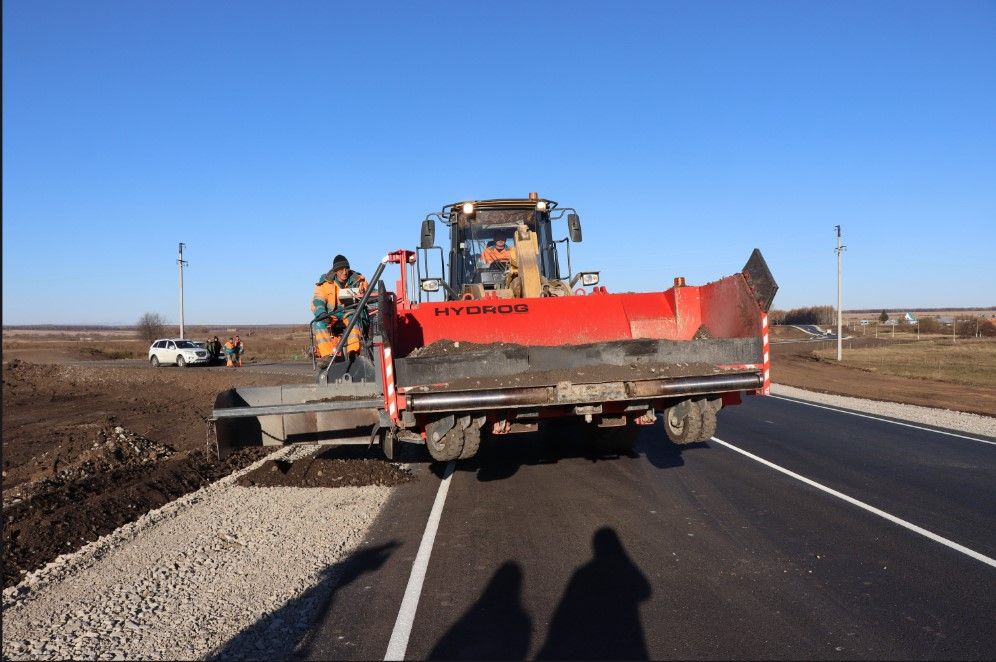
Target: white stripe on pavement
[(409, 604), (861, 504), (879, 418)]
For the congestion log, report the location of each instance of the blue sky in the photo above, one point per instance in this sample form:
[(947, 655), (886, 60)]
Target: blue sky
[(271, 136)]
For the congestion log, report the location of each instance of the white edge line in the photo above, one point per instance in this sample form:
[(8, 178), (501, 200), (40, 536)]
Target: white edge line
[(861, 504), (398, 644), (886, 420)]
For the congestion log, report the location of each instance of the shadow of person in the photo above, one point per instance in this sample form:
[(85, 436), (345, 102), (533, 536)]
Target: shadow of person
[(496, 627), (598, 617), (284, 633)]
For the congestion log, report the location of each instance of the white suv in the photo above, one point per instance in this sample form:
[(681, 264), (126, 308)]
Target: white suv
[(178, 351)]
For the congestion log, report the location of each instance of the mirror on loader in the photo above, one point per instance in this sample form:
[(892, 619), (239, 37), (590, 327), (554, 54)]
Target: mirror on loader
[(428, 233), (574, 227)]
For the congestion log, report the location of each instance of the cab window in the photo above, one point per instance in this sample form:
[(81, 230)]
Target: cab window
[(482, 265)]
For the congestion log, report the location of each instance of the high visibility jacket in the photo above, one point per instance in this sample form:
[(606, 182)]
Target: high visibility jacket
[(326, 296), (229, 347), (494, 254)]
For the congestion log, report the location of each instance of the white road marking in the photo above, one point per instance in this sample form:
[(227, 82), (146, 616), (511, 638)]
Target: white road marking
[(879, 418), (861, 504), (398, 644)]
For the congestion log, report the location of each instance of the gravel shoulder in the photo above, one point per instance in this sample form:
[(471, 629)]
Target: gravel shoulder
[(228, 571), (941, 418)]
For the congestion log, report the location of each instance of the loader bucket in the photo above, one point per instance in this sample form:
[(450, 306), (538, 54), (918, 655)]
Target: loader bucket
[(729, 308), (275, 415), (685, 340)]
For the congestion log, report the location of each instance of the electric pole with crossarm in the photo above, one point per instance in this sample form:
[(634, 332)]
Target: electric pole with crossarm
[(840, 252), (180, 262)]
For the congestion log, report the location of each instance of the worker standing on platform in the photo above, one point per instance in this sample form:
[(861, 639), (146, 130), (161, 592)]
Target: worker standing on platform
[(330, 315)]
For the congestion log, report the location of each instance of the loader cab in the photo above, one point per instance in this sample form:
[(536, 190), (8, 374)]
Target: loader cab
[(477, 225)]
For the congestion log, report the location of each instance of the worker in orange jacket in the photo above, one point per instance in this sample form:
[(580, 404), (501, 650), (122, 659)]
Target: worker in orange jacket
[(230, 353), (331, 318), (498, 252)]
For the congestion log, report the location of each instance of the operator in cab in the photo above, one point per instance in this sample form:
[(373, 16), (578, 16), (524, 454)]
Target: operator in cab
[(497, 252), (330, 315)]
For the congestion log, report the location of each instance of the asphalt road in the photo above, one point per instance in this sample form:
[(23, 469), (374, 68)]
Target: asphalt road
[(545, 551)]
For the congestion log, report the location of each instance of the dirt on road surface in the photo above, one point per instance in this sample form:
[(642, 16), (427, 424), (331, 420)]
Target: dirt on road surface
[(335, 467)]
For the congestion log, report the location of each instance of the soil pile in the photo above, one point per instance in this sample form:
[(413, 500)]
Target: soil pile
[(88, 448), (453, 347), (60, 515), (325, 471)]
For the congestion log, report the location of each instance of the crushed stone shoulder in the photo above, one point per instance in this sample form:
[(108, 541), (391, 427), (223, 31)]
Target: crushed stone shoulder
[(225, 571)]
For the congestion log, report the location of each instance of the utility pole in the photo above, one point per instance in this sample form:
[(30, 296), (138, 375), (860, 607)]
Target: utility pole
[(180, 263), (840, 251)]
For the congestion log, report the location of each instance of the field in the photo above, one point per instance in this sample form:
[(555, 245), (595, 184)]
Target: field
[(266, 343), (969, 362), (931, 372)]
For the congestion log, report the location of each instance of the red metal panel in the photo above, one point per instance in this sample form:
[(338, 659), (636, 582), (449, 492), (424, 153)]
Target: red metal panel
[(725, 307)]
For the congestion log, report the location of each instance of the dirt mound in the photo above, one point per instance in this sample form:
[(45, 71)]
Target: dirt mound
[(119, 448), (62, 514), (325, 471), (452, 347), (89, 448)]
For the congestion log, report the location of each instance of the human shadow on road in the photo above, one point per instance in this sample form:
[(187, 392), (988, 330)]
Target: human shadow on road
[(281, 635), (598, 617), (496, 627)]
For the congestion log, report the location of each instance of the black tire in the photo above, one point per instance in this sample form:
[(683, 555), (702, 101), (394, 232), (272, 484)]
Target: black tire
[(708, 428), (471, 442), (449, 447), (180, 363), (684, 425), (154, 361)]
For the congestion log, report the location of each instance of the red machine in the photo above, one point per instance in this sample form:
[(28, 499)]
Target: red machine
[(512, 340)]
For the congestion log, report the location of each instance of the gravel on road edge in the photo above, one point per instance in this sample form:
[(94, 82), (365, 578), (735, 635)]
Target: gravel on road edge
[(940, 418), (226, 571)]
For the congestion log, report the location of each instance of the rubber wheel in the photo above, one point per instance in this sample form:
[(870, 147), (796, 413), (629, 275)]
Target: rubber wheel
[(708, 427), (180, 363), (448, 447), (685, 429), (471, 442), (154, 361)]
